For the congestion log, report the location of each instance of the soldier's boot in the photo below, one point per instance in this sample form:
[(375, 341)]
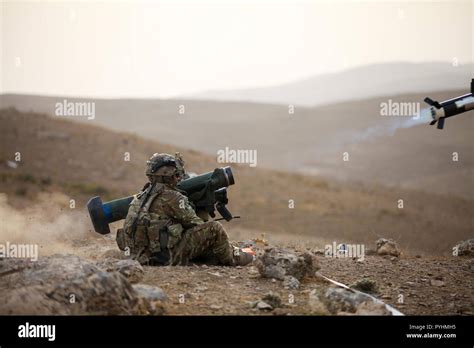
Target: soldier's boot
[(242, 258)]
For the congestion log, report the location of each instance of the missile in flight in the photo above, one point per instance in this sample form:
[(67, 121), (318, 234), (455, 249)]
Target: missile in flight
[(451, 107)]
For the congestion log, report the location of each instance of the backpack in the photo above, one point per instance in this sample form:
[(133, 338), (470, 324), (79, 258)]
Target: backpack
[(145, 233)]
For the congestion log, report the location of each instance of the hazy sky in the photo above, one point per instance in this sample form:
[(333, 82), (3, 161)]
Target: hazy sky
[(164, 49)]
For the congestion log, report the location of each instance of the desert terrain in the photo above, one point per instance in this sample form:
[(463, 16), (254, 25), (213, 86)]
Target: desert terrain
[(310, 141), (62, 160)]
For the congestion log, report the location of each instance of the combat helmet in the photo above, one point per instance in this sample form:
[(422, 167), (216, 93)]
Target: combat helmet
[(161, 166)]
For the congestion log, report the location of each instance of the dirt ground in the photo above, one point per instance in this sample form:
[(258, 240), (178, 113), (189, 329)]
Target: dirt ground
[(412, 285), (224, 290)]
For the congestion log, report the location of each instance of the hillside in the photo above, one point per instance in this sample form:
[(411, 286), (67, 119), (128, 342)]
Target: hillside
[(310, 141), (81, 161)]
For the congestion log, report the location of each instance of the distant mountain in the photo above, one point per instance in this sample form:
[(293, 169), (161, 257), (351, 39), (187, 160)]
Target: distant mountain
[(354, 84)]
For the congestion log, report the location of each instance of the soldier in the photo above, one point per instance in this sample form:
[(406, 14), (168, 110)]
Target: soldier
[(162, 227)]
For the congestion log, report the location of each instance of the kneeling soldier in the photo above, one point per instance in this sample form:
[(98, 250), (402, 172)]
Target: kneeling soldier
[(162, 227)]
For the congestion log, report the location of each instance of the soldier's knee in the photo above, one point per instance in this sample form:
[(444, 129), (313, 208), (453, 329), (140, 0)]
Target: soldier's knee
[(217, 228)]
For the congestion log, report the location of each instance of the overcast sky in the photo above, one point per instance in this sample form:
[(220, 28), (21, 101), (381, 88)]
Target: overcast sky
[(165, 49)]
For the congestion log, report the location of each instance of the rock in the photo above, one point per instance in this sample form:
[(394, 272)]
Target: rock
[(150, 292), (366, 285), (130, 269), (278, 263), (437, 282), (214, 306), (66, 285), (102, 293), (387, 247), (280, 311), (46, 270), (465, 248), (272, 299), (30, 300), (343, 300), (215, 274), (114, 254), (315, 304), (263, 306), (372, 308), (11, 164), (291, 282)]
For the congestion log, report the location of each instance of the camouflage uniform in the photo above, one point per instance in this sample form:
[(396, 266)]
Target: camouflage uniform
[(162, 214)]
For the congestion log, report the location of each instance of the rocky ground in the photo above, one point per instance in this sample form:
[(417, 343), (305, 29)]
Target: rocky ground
[(281, 281), (431, 286)]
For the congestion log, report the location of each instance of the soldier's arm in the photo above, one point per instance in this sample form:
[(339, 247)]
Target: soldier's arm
[(181, 210)]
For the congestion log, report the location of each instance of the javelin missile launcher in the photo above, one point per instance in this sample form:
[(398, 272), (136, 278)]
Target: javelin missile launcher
[(452, 107), (207, 192)]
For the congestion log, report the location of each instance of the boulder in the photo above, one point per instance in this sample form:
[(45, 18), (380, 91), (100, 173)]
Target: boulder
[(372, 308), (465, 248), (387, 247), (343, 300), (130, 269), (70, 285), (315, 303), (279, 263), (102, 293), (273, 299), (291, 283)]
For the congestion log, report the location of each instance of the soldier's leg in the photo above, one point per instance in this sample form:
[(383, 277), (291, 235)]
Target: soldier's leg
[(201, 240)]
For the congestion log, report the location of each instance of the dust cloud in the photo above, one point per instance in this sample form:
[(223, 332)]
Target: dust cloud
[(49, 223)]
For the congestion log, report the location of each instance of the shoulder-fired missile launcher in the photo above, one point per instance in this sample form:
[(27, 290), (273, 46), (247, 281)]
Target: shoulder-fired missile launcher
[(207, 192)]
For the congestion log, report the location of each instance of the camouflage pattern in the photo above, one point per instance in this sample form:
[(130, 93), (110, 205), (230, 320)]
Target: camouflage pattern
[(208, 242), (189, 237), (167, 165), (180, 166)]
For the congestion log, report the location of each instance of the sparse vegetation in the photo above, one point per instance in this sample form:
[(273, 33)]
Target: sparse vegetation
[(46, 181), (21, 191), (26, 177)]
